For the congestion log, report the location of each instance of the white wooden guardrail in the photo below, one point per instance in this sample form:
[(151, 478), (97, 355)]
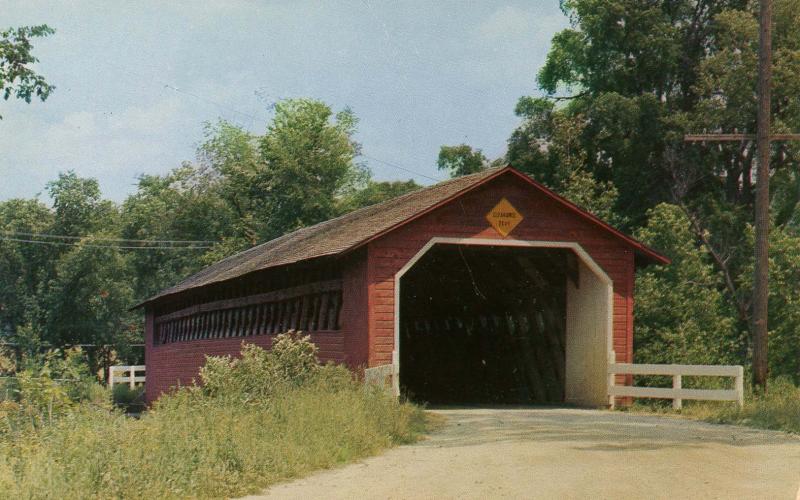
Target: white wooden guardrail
[(677, 393), (122, 374)]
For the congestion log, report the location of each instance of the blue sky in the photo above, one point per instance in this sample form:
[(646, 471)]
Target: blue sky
[(137, 80)]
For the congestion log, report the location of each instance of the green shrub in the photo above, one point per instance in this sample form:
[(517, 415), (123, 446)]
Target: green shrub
[(227, 438), (127, 399), (258, 374), (46, 388)]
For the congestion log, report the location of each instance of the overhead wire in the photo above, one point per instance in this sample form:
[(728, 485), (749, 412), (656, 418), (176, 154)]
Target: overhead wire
[(96, 238), (253, 117), (121, 247), (420, 174)]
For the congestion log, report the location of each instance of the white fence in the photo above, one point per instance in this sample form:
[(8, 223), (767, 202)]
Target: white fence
[(677, 393), (125, 375)]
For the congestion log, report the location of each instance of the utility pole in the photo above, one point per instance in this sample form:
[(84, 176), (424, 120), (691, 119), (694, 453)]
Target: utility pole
[(763, 139), (761, 278)]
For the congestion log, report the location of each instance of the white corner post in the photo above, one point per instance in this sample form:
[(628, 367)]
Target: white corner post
[(677, 384)]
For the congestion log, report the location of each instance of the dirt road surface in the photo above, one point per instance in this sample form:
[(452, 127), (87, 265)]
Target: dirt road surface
[(567, 453)]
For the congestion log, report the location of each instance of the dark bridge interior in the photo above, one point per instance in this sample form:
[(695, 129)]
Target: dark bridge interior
[(485, 325)]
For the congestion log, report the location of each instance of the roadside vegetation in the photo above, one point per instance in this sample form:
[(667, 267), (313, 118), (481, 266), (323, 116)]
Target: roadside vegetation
[(265, 417), (778, 409)]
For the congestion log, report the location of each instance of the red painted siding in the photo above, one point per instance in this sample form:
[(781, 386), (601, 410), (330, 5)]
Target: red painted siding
[(543, 219), (366, 337), (354, 311), (178, 363)]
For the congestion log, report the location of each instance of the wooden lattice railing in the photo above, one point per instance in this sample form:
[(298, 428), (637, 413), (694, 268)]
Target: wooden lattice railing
[(311, 307)]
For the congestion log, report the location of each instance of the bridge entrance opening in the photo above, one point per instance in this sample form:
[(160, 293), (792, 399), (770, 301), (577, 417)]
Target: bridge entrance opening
[(486, 325)]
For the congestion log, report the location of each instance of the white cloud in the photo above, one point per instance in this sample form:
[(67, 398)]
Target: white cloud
[(146, 119), (81, 123), (506, 22), (419, 74), (512, 24), (112, 146)]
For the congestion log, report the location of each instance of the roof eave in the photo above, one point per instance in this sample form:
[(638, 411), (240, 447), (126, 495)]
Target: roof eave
[(428, 210), (640, 248)]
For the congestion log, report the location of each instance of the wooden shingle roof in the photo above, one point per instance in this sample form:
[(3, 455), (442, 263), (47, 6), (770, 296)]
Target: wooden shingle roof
[(352, 230)]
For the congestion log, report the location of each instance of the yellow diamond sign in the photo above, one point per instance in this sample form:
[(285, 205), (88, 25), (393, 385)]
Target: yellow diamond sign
[(504, 217)]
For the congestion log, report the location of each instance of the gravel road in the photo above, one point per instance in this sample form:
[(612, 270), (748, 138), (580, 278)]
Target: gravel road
[(568, 453)]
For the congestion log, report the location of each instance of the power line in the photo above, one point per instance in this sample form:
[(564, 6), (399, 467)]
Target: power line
[(121, 247), (394, 165), (123, 240), (174, 88), (254, 117)]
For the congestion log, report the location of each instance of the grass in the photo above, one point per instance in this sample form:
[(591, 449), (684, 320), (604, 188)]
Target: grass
[(778, 409), (193, 444), (127, 399)]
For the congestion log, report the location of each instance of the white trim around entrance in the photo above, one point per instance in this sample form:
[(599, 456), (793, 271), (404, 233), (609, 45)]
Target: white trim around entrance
[(570, 245)]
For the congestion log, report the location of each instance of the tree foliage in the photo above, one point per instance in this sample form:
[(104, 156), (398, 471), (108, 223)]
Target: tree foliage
[(622, 85), (461, 160), (17, 79), (78, 285)]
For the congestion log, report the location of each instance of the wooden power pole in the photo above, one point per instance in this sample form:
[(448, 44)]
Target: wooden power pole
[(763, 139), (761, 278)]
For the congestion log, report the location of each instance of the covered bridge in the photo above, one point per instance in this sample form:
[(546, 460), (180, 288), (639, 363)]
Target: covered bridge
[(487, 288)]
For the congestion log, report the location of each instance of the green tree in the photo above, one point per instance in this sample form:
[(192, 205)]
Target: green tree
[(626, 81), (16, 77), (548, 146), (22, 266), (300, 172), (309, 163), (87, 302), (461, 160), (681, 313), (184, 204), (78, 206), (377, 192), (232, 156)]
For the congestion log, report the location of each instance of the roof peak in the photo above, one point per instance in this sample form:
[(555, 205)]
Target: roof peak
[(354, 229)]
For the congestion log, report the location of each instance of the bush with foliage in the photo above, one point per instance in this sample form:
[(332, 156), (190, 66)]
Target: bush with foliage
[(131, 400), (265, 417), (47, 387)]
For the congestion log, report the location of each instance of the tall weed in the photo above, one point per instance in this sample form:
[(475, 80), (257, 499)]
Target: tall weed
[(263, 418), (778, 409)]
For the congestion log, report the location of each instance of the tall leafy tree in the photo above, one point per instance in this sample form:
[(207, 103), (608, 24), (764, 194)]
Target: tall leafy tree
[(236, 173), (309, 163), (184, 204), (87, 302), (629, 79), (22, 267), (78, 206)]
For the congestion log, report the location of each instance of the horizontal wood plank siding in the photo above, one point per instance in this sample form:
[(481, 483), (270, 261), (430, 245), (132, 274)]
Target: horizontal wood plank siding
[(176, 364)]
